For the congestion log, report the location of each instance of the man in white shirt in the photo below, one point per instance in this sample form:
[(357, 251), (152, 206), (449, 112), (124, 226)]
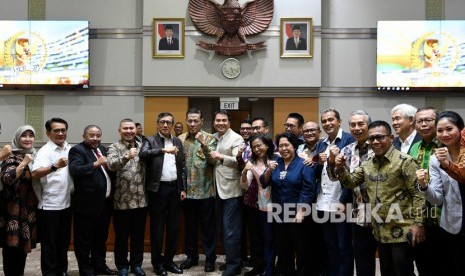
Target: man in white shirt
[(54, 214), (403, 122)]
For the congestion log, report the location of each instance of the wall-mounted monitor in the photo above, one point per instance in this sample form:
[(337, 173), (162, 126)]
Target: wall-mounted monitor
[(420, 54), (36, 53)]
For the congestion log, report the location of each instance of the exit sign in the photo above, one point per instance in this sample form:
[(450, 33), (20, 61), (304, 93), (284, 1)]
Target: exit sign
[(229, 103)]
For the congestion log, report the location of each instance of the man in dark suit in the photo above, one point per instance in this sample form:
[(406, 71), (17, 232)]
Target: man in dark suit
[(296, 42), (168, 42), (166, 187), (91, 203), (403, 122)]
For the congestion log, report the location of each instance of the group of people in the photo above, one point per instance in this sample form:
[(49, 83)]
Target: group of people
[(302, 204)]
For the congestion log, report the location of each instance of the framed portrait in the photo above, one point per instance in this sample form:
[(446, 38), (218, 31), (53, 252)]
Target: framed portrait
[(296, 36), (168, 38)]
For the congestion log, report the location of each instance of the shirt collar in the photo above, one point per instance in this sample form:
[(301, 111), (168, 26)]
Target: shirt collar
[(410, 138), (339, 135), (55, 146), (435, 142)]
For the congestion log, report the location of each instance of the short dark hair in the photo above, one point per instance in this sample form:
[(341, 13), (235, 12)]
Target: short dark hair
[(194, 110), (224, 112), (91, 126), (452, 117), (298, 117), (126, 120), (265, 122), (246, 121), (48, 124), (380, 123), (165, 114), (138, 125), (179, 123), (168, 27), (296, 27), (265, 140), (291, 137), (436, 113)]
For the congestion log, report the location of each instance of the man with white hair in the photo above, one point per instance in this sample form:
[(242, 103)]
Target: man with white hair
[(403, 122)]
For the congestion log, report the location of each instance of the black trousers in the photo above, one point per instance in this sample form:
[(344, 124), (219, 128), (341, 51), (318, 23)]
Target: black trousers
[(365, 246), (396, 259), (55, 229), (454, 253), (90, 237), (426, 254), (200, 211), (291, 241), (129, 225), (164, 208), (14, 261), (256, 236)]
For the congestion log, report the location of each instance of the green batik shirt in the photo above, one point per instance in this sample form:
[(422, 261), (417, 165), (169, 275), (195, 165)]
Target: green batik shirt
[(199, 166), (421, 152), (393, 193)]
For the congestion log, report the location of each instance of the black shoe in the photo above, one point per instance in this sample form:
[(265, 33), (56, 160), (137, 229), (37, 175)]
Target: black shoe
[(222, 267), (123, 272), (246, 263), (209, 266), (234, 273), (189, 262), (106, 271), (173, 268), (254, 272), (62, 274), (160, 270), (138, 271)]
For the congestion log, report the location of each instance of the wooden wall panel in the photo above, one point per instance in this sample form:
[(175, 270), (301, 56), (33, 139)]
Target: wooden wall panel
[(308, 107)]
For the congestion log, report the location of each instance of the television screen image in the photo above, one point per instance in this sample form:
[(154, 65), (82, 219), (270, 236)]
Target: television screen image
[(413, 54), (44, 53)]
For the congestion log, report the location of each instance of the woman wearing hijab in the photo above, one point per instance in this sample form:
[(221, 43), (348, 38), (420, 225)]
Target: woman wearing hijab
[(18, 223)]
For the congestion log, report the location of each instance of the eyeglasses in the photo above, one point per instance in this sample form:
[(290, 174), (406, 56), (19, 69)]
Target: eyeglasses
[(246, 128), (291, 126), (379, 138), (427, 121), (257, 127), (311, 130), (168, 123)]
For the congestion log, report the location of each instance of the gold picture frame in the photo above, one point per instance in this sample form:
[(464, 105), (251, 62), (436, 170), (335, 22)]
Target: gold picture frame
[(296, 37), (168, 46)]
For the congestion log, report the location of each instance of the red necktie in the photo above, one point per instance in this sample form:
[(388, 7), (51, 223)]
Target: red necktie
[(104, 165)]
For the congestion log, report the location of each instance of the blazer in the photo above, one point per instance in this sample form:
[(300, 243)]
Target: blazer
[(163, 44), (290, 45), (346, 139), (151, 153), (397, 143), (444, 190), (226, 173), (90, 184)]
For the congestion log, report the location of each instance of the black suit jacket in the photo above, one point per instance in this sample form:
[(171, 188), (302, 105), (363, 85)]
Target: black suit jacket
[(153, 156), (290, 45), (163, 44), (397, 143), (90, 185)]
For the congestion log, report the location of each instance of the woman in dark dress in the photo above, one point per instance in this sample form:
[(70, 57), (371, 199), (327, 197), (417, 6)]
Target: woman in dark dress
[(18, 220)]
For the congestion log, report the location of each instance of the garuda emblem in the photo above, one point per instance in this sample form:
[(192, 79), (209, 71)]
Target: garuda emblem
[(231, 23)]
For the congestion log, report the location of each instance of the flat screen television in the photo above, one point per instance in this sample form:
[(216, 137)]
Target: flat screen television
[(420, 54), (34, 53)]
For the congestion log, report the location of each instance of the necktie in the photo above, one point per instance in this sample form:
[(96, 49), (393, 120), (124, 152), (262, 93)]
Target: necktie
[(169, 41), (297, 43), (104, 165)]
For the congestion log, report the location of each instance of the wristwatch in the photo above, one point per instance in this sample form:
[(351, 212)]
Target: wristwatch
[(53, 168)]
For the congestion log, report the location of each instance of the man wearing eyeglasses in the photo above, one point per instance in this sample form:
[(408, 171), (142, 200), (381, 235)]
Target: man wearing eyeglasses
[(332, 198), (307, 150), (355, 154), (199, 204), (54, 214), (293, 124), (260, 126), (403, 122), (426, 257), (390, 179), (164, 156)]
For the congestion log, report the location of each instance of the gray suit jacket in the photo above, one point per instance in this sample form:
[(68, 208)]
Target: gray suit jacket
[(226, 173), (443, 189)]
